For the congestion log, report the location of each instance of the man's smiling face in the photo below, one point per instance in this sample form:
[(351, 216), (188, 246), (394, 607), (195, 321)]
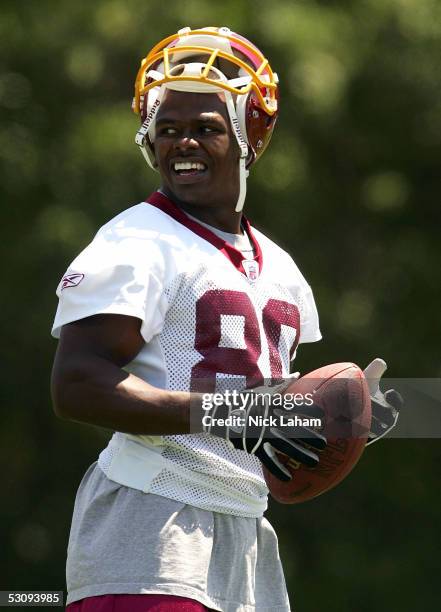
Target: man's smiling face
[(196, 152)]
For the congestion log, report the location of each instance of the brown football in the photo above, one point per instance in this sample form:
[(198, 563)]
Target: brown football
[(341, 390)]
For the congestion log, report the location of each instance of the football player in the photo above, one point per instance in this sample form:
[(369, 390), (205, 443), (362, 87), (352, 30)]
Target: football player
[(175, 298)]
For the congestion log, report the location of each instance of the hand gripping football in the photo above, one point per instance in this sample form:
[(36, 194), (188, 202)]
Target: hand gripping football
[(341, 390)]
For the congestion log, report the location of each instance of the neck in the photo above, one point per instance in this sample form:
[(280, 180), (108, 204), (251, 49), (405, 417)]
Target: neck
[(225, 220)]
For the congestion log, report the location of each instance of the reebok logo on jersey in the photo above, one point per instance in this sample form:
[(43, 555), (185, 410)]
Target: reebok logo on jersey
[(71, 280)]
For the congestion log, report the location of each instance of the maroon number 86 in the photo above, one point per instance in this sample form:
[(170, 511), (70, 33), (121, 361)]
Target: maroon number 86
[(239, 361)]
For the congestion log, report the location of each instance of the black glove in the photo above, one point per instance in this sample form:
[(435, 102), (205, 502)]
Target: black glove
[(259, 424)]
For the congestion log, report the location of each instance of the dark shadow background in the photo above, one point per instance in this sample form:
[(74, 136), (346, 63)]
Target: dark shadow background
[(350, 186)]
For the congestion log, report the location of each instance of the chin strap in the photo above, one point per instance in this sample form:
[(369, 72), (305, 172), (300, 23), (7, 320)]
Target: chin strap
[(243, 146), (149, 121)]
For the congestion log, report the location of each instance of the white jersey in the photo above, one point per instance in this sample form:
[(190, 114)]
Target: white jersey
[(209, 317)]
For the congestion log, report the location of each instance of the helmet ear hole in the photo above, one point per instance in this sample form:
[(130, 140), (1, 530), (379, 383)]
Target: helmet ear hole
[(269, 121)]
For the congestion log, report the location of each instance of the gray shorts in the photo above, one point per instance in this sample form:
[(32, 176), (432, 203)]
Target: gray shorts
[(125, 541)]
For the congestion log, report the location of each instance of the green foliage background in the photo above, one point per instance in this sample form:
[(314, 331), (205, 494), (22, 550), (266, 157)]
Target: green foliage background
[(350, 186)]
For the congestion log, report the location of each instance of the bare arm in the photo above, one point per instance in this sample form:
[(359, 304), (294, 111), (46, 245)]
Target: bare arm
[(89, 385)]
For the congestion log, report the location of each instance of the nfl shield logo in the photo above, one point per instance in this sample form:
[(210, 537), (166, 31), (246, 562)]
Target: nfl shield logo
[(251, 269)]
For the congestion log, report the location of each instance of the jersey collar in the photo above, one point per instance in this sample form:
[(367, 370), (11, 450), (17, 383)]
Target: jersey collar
[(159, 200)]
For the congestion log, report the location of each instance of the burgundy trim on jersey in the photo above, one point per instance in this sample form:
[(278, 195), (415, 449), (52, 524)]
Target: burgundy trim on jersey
[(159, 200)]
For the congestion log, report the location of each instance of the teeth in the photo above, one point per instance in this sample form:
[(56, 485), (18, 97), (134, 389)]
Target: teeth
[(177, 166)]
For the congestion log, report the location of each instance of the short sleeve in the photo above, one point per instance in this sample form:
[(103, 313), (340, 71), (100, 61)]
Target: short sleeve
[(309, 321), (114, 275)]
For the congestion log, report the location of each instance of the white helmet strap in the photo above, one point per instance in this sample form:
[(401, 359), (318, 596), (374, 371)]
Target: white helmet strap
[(148, 124), (243, 146)]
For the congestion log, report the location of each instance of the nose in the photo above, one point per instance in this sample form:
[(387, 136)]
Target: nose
[(185, 140)]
